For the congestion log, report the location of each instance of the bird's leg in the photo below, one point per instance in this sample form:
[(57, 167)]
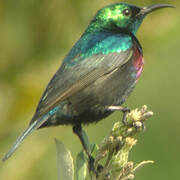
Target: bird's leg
[(125, 111), (77, 129)]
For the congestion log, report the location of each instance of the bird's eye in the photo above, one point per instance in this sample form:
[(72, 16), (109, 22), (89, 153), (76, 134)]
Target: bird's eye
[(127, 12)]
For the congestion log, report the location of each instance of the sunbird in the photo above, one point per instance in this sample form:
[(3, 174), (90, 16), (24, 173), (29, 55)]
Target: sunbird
[(97, 75)]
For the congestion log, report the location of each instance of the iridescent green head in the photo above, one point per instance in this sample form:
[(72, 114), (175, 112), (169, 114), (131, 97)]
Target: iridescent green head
[(121, 16)]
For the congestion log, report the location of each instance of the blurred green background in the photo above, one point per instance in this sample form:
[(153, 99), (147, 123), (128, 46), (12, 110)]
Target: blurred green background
[(35, 35)]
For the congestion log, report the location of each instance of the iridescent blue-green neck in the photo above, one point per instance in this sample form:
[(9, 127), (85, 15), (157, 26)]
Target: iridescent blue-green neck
[(98, 43)]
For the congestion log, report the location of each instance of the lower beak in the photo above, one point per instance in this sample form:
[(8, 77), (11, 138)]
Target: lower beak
[(146, 10)]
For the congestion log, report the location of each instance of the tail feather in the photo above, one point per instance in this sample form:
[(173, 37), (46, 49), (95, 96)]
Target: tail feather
[(35, 125)]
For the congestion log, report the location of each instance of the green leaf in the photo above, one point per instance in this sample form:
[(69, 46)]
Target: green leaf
[(64, 162), (81, 166), (94, 148), (85, 137)]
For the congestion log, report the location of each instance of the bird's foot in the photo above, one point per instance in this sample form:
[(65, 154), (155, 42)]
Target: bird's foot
[(125, 111)]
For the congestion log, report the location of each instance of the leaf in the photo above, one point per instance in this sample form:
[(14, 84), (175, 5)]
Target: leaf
[(94, 148), (64, 162), (85, 137), (82, 160), (81, 166)]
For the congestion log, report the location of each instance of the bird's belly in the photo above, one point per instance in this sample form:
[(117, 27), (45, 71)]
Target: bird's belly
[(111, 89)]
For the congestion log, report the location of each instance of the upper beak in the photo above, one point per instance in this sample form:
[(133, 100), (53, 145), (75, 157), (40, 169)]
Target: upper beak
[(149, 9)]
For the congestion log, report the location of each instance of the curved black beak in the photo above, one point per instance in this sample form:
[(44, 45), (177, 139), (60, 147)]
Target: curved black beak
[(146, 10)]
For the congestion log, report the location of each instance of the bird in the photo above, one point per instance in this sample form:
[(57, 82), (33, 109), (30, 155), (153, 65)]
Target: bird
[(97, 75)]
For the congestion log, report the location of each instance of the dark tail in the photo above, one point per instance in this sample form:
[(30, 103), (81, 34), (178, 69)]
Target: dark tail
[(36, 124)]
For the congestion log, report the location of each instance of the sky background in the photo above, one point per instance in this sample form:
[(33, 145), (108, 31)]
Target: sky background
[(35, 35)]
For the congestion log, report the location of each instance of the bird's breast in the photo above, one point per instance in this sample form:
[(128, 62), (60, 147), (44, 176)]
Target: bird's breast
[(138, 62)]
